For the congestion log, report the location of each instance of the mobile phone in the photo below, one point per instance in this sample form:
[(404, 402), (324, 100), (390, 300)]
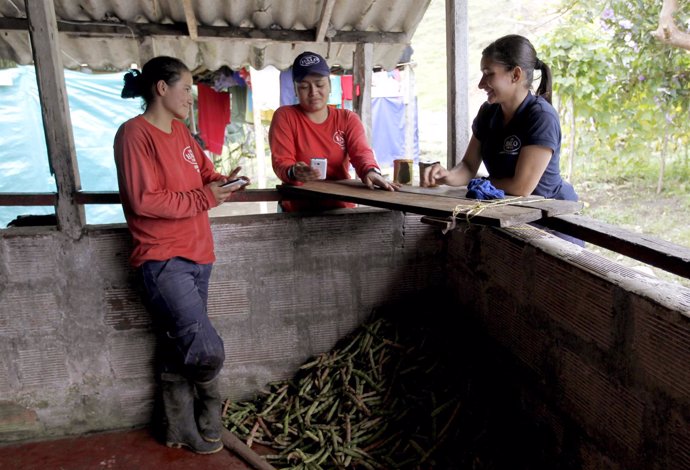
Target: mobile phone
[(320, 165), (235, 183)]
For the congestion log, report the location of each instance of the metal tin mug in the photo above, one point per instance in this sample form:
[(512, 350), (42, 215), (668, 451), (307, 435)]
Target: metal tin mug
[(424, 164), (402, 170)]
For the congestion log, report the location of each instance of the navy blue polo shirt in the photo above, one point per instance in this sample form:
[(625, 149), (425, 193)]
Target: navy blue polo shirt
[(535, 123)]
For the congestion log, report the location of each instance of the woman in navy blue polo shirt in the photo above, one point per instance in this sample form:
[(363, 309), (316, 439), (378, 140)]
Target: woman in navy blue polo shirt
[(516, 134)]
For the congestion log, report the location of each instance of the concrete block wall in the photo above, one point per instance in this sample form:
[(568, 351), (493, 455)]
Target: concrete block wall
[(602, 350), (605, 350), (76, 344)]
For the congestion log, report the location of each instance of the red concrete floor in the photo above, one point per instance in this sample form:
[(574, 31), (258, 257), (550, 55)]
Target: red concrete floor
[(122, 450)]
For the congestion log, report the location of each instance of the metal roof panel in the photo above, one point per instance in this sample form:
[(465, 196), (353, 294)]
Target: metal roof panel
[(108, 47)]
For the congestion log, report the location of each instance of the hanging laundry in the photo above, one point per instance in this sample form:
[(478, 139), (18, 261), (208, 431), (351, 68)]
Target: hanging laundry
[(336, 95), (346, 87), (238, 106), (287, 89), (214, 115)]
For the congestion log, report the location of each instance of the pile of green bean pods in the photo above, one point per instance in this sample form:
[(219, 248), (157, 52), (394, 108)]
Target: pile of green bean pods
[(379, 399)]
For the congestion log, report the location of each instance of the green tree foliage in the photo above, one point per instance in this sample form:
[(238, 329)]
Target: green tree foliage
[(624, 96)]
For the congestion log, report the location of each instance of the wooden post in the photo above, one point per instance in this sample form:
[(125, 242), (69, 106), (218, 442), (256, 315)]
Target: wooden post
[(410, 111), (259, 142), (57, 125), (362, 66), (458, 82)]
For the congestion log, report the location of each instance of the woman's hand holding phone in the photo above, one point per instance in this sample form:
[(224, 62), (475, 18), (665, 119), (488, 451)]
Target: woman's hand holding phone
[(223, 189)]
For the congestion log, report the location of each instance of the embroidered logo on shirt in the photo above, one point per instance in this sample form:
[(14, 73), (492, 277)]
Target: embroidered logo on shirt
[(511, 145), (339, 138), (189, 157)]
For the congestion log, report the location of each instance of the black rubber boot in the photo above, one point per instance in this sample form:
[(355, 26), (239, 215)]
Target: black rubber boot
[(209, 405), (178, 405)]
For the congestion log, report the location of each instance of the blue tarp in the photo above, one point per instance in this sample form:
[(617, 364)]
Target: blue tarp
[(96, 111)]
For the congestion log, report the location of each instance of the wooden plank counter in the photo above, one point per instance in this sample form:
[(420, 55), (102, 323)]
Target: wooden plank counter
[(441, 202)]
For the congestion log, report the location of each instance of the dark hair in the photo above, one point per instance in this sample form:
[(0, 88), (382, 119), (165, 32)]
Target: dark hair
[(141, 83), (516, 51)]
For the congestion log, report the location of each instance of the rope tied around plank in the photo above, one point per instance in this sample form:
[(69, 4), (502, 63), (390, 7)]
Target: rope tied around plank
[(477, 208)]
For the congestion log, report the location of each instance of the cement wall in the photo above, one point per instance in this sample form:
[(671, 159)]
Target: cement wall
[(603, 350), (76, 344)]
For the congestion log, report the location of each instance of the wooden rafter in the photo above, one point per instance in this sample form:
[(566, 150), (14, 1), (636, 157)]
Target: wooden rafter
[(325, 21), (190, 18)]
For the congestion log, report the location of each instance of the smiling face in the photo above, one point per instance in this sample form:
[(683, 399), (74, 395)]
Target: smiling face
[(499, 83), (313, 92), (177, 97)]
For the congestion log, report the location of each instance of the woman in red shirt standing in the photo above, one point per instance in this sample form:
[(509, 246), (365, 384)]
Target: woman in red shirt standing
[(167, 185)]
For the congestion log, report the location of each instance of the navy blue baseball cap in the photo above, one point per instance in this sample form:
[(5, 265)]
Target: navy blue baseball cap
[(309, 63)]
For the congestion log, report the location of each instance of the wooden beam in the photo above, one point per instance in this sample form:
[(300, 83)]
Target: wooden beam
[(22, 199), (648, 249), (190, 19), (556, 215), (325, 20), (362, 66), (113, 197), (457, 47), (370, 37), (473, 211), (57, 125), (130, 30)]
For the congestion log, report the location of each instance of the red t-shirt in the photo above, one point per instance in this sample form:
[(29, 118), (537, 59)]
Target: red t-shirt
[(161, 178), (340, 139)]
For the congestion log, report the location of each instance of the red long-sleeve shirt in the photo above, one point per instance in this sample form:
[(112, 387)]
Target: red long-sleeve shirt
[(340, 139), (161, 178)]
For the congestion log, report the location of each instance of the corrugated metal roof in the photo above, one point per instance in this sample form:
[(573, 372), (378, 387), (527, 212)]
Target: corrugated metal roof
[(106, 34)]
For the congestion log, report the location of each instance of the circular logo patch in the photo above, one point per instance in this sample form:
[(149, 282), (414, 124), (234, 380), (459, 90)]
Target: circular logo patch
[(189, 155), (511, 144), (339, 138)]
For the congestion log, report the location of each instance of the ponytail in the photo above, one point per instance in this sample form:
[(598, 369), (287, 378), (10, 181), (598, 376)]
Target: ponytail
[(546, 81)]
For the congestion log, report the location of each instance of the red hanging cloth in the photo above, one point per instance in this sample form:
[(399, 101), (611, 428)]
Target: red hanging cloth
[(214, 116)]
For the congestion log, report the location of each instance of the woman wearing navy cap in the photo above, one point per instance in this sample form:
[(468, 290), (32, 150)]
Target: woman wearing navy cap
[(313, 130)]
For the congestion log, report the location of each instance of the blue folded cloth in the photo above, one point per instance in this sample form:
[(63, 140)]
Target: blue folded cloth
[(480, 188)]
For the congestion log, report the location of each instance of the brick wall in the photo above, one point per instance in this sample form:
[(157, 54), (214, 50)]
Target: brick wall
[(605, 350)]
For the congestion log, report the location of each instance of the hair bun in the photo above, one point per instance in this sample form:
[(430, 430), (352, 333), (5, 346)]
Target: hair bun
[(132, 86)]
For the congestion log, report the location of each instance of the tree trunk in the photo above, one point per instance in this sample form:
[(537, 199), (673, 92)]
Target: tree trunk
[(573, 141), (662, 163)]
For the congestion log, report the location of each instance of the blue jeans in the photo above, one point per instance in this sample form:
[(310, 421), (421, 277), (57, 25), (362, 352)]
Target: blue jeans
[(177, 293)]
